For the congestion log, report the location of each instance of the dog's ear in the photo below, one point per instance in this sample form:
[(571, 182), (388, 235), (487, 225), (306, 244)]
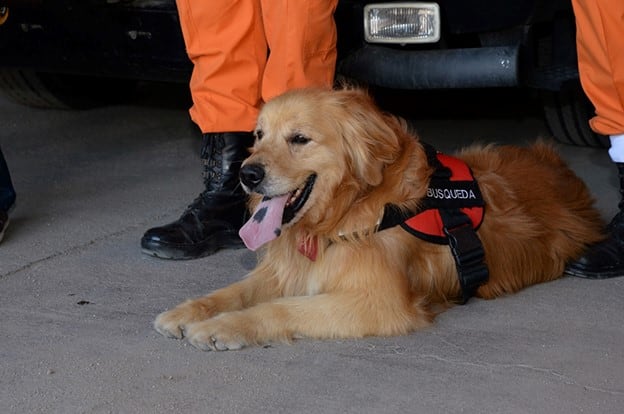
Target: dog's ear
[(370, 137)]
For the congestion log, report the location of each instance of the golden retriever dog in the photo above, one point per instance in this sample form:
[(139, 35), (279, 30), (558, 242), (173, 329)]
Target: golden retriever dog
[(325, 166)]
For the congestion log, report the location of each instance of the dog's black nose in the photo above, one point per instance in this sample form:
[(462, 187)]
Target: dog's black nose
[(251, 175)]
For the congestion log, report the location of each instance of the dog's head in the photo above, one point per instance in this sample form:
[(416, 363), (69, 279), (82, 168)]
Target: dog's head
[(319, 151)]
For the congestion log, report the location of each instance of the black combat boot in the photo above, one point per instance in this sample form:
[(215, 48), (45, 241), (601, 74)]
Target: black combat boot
[(7, 195), (211, 222), (605, 259)]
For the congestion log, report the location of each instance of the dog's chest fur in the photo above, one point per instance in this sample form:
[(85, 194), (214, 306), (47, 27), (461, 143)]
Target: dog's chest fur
[(347, 265)]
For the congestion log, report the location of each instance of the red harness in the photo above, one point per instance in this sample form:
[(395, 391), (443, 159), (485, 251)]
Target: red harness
[(459, 190), (450, 214)]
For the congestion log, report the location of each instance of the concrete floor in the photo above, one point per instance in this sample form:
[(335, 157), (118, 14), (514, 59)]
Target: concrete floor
[(77, 297)]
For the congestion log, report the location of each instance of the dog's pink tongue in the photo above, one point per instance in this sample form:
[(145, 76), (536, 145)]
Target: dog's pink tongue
[(265, 223)]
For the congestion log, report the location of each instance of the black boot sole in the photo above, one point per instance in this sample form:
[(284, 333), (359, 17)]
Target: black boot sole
[(208, 247), (606, 274)]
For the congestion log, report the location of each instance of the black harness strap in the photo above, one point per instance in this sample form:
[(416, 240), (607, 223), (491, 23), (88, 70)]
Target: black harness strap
[(467, 251), (459, 229)]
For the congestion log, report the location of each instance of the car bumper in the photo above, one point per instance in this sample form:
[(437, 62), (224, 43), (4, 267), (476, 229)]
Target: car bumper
[(433, 69)]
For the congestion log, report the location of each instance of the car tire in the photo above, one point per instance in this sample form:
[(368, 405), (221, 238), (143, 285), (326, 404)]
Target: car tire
[(567, 113), (61, 91)]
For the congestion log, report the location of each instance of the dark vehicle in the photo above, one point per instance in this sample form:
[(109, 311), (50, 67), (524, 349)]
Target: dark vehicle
[(78, 53)]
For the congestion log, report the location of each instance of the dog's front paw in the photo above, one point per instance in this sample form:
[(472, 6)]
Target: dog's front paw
[(172, 323), (217, 334)]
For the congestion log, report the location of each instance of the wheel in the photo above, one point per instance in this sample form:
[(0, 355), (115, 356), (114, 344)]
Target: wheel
[(567, 114), (61, 91)]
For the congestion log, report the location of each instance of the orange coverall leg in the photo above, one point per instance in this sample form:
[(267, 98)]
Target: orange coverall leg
[(600, 47), (247, 51)]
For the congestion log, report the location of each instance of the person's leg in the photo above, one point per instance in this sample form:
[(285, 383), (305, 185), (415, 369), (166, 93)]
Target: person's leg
[(301, 35), (7, 195), (225, 41), (231, 77), (600, 41), (600, 48)]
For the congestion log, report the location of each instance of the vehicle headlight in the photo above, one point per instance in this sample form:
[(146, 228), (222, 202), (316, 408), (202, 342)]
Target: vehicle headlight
[(402, 23)]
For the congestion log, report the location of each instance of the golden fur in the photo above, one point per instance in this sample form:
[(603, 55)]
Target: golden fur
[(538, 216)]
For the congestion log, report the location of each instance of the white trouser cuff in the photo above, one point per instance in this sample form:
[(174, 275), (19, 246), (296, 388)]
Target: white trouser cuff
[(616, 152)]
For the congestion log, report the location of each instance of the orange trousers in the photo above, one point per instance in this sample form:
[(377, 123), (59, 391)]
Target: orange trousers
[(245, 52), (600, 47)]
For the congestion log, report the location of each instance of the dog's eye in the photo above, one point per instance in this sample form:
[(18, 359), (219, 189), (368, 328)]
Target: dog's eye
[(259, 134), (299, 139)]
